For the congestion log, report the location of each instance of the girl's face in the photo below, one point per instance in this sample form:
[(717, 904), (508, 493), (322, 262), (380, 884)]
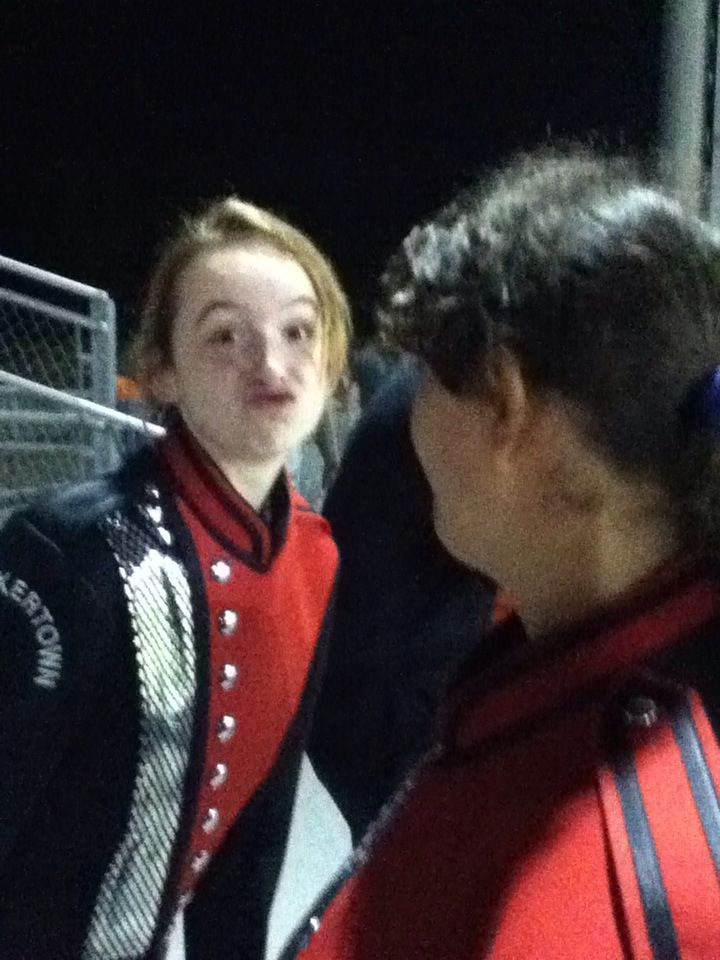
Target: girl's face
[(247, 372)]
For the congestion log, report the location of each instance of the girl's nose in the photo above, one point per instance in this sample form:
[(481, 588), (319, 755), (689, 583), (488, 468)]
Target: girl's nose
[(263, 353)]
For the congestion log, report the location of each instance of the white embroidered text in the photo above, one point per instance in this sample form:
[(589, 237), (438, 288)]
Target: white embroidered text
[(47, 637)]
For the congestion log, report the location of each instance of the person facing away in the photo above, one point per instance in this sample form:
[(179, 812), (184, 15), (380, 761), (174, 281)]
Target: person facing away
[(567, 313), (162, 630)]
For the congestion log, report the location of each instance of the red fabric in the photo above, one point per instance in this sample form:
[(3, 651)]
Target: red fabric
[(502, 609), (692, 888), (512, 845), (590, 654), (280, 611), (217, 506)]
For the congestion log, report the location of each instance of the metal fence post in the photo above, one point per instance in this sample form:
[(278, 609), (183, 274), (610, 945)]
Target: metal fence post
[(102, 312), (687, 74)]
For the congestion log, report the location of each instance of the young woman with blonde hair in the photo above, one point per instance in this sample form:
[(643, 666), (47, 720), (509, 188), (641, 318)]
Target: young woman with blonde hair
[(149, 765)]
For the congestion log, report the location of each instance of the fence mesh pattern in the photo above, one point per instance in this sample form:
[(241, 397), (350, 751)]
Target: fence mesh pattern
[(57, 332), (41, 348), (45, 442)]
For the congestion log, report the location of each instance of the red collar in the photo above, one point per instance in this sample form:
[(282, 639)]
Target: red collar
[(224, 513), (532, 681)]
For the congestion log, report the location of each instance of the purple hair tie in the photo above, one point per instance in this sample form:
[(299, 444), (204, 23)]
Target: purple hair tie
[(705, 403)]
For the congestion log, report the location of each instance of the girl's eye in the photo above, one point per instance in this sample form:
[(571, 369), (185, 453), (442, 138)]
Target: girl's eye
[(301, 332), (222, 335)]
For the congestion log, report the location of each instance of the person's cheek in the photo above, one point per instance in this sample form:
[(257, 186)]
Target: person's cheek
[(423, 442)]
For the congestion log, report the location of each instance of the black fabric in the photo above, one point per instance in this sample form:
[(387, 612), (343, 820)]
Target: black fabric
[(68, 753), (407, 614), (696, 664), (75, 744)]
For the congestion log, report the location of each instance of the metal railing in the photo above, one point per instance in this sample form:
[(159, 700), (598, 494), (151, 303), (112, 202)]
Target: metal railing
[(57, 332), (49, 438)]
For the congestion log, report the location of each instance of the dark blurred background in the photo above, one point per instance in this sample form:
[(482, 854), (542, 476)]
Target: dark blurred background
[(353, 119)]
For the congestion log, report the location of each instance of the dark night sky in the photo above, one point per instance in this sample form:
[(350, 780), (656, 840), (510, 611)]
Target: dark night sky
[(352, 118)]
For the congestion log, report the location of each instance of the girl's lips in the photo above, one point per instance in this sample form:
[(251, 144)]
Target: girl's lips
[(269, 398)]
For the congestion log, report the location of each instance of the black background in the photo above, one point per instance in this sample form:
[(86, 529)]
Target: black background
[(354, 119)]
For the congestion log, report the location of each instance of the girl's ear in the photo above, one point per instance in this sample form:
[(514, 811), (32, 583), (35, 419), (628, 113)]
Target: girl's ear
[(162, 381)]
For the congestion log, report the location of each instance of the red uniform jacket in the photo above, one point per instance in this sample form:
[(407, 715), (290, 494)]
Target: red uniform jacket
[(267, 587), (161, 649), (571, 812)]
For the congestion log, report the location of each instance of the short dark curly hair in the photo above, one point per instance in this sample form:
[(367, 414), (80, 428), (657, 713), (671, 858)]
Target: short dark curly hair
[(603, 288)]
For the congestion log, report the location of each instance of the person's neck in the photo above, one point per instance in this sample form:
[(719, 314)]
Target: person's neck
[(588, 572), (252, 480)]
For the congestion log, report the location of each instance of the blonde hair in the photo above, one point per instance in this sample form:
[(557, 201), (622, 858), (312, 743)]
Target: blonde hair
[(224, 222)]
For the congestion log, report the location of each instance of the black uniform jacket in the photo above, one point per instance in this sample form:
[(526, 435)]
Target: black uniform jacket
[(75, 731)]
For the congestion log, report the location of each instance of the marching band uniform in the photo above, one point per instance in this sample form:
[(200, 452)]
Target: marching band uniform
[(162, 646), (570, 811)]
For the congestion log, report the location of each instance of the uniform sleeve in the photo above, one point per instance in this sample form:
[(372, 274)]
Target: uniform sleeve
[(46, 614)]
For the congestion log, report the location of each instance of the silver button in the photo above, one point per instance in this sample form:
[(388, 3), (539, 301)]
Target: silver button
[(314, 924), (165, 535), (221, 571), (154, 511), (641, 712), (199, 861), (228, 676), (152, 492), (228, 622), (219, 775), (226, 728), (212, 820)]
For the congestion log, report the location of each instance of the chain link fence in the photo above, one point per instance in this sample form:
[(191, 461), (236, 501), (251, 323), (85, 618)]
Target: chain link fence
[(57, 385), (57, 332), (49, 438)]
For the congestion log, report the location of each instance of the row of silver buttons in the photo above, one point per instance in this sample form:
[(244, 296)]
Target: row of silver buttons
[(228, 621)]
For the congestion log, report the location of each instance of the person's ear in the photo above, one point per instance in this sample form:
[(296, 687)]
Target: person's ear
[(163, 383), (511, 401)]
